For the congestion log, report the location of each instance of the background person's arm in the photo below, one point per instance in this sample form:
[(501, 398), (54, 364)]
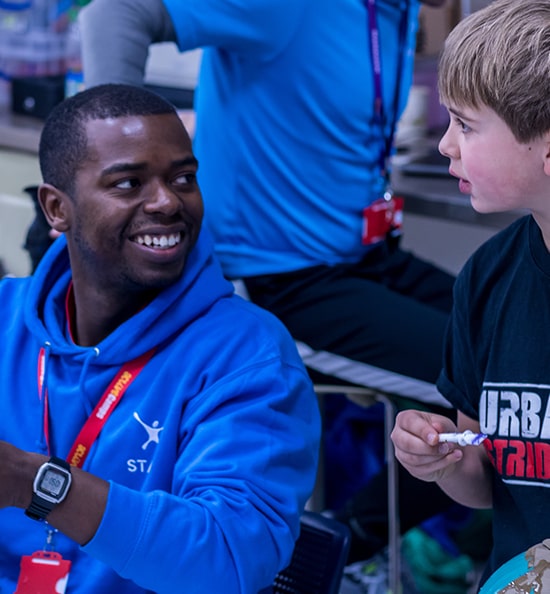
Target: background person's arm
[(116, 35)]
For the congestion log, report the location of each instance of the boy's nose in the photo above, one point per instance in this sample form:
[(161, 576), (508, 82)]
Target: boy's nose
[(445, 145)]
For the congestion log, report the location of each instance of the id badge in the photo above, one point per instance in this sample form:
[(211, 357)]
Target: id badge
[(381, 218), (43, 572)]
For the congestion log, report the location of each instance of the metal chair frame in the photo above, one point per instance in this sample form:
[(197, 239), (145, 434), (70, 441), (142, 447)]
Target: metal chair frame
[(364, 396)]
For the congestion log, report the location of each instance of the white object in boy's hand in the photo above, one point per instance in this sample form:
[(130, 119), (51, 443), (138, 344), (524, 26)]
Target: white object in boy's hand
[(463, 439)]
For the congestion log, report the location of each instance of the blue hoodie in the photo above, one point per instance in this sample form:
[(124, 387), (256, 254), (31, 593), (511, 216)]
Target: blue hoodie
[(211, 453)]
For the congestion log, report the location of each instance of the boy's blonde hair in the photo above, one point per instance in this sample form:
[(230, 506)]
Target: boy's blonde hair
[(499, 57)]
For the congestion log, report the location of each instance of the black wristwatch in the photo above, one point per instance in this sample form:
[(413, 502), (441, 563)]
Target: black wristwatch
[(50, 487)]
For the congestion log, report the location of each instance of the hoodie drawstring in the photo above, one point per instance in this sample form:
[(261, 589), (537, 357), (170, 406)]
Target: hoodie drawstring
[(43, 359)]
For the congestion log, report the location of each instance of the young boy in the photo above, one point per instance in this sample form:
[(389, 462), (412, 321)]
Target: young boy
[(495, 82)]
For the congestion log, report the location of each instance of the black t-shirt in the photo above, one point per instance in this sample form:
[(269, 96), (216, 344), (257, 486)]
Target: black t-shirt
[(497, 370)]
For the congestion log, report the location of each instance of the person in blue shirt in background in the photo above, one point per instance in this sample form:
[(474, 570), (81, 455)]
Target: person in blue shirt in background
[(183, 413), (296, 108)]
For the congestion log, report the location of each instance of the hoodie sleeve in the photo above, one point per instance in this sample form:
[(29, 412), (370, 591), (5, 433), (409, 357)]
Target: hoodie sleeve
[(245, 468)]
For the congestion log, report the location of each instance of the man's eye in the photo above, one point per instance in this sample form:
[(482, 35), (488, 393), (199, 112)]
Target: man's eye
[(126, 184), (185, 179)]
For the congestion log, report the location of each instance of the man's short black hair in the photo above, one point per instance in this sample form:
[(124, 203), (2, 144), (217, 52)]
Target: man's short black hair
[(63, 143)]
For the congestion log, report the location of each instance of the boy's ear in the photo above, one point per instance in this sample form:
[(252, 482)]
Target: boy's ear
[(56, 207)]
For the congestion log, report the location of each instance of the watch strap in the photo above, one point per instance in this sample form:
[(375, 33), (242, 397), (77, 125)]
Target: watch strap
[(40, 507)]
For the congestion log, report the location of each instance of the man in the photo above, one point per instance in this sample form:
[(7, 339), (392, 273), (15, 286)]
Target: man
[(185, 413), (295, 124)]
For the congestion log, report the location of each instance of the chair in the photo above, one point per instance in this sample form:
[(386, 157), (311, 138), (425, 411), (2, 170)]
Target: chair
[(363, 396), (17, 215), (319, 557)]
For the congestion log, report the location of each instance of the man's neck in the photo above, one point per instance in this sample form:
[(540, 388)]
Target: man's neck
[(91, 318)]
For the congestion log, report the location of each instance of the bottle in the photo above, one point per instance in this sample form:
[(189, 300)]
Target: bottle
[(14, 16), (74, 75), (14, 22)]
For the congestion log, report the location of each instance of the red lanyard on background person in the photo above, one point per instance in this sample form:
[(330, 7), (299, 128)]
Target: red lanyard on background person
[(106, 405)]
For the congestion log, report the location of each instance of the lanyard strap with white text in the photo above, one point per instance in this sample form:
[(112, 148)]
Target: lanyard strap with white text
[(107, 403), (382, 218), (376, 52)]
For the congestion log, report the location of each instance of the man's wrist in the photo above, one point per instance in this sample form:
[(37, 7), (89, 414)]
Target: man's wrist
[(50, 487), (20, 468)]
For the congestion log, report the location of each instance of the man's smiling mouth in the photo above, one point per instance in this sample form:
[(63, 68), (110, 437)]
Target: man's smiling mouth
[(158, 241)]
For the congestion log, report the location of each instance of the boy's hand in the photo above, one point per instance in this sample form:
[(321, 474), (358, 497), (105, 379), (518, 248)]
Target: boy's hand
[(417, 447)]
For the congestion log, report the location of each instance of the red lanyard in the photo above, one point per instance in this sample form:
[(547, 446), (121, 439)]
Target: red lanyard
[(107, 403)]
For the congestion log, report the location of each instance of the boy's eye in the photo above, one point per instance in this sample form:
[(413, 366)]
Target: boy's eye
[(464, 127)]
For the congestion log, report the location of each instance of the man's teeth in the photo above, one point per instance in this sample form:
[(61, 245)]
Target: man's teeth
[(160, 241)]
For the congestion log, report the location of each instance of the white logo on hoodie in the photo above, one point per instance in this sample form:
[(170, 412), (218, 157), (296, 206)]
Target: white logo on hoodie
[(153, 431)]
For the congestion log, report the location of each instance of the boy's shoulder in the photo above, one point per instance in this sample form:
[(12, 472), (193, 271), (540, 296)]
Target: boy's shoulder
[(504, 243), (495, 260)]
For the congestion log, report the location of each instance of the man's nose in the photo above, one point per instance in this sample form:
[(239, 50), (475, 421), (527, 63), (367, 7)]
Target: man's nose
[(162, 198)]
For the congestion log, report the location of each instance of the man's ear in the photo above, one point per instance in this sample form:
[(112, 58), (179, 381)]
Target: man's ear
[(546, 140), (56, 207)]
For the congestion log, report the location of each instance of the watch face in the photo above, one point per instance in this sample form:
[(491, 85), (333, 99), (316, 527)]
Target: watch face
[(53, 482)]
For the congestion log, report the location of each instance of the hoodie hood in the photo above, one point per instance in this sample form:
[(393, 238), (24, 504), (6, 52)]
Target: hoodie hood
[(200, 286)]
